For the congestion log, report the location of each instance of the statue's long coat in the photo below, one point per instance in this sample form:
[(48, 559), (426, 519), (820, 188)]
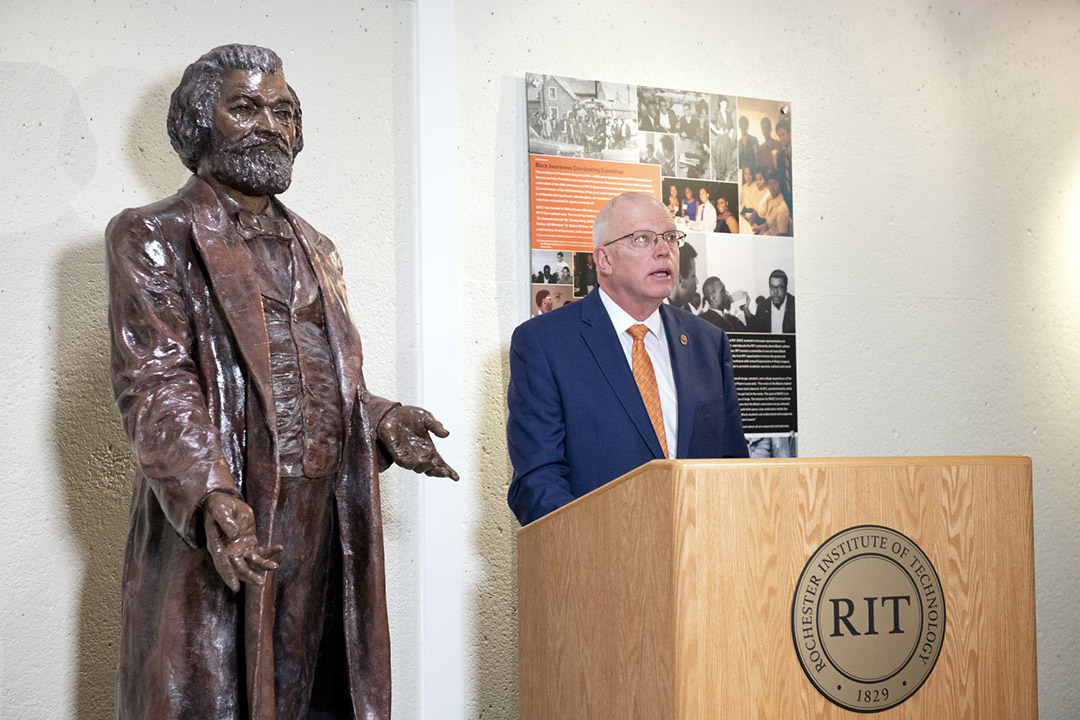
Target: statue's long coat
[(189, 349)]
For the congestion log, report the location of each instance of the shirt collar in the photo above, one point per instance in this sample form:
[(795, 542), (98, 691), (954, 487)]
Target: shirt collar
[(270, 223), (623, 320), (252, 226)]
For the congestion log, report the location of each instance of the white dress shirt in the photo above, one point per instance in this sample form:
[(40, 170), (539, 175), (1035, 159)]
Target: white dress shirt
[(657, 348), (776, 317), (706, 217)]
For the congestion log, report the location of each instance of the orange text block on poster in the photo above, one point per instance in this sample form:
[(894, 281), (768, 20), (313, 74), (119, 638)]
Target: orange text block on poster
[(568, 192)]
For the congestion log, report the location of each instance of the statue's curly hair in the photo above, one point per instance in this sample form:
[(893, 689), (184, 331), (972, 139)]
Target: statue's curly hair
[(192, 105)]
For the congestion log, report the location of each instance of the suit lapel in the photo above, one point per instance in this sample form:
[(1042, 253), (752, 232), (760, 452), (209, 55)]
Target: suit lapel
[(599, 335), (344, 338), (681, 368), (234, 283)]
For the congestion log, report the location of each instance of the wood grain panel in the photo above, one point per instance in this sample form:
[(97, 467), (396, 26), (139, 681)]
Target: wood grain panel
[(667, 593), (595, 606)]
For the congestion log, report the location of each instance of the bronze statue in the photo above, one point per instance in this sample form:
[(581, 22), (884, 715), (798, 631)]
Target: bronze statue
[(253, 575)]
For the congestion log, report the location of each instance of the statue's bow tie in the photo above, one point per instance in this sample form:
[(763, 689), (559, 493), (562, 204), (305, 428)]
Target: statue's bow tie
[(253, 226)]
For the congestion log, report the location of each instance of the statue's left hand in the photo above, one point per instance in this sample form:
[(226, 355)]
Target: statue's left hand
[(404, 433)]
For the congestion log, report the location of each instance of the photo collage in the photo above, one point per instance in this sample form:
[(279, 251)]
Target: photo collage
[(722, 164)]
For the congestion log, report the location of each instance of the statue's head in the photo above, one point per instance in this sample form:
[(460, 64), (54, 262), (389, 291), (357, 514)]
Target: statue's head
[(234, 116)]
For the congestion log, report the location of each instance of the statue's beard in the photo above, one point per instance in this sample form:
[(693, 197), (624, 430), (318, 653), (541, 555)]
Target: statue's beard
[(258, 164)]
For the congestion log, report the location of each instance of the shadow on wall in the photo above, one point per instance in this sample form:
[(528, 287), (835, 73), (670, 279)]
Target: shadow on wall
[(147, 149), (94, 458), (95, 466), (493, 606)]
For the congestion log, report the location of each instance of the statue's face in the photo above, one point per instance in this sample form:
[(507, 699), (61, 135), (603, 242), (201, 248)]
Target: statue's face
[(254, 133)]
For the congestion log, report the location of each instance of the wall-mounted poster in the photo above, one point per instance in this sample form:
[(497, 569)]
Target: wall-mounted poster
[(722, 165)]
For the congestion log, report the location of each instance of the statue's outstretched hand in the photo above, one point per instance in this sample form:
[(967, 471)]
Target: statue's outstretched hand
[(230, 539), (403, 432)]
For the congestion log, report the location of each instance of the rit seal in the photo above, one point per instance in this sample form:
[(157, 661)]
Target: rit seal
[(868, 618)]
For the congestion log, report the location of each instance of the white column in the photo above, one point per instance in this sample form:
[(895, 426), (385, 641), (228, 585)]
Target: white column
[(442, 548)]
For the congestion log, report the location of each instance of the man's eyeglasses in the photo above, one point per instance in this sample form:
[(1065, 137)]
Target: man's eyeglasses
[(647, 239)]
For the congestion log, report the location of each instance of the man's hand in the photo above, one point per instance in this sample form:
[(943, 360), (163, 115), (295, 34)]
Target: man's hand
[(230, 539), (404, 433)]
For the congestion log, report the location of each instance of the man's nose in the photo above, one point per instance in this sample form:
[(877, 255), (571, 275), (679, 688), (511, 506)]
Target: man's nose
[(266, 120)]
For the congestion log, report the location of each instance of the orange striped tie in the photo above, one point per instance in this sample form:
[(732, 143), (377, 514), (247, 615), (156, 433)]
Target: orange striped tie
[(646, 383)]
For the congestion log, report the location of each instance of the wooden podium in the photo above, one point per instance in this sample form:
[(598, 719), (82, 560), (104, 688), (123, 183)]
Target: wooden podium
[(668, 593)]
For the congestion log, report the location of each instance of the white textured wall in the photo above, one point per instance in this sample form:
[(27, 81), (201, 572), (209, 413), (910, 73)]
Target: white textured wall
[(937, 175), (937, 166), (86, 88)]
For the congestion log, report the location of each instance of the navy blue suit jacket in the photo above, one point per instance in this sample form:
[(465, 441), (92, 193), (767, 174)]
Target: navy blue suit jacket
[(577, 419)]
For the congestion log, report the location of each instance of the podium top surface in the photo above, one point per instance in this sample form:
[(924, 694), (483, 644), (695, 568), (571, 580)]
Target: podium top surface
[(804, 462)]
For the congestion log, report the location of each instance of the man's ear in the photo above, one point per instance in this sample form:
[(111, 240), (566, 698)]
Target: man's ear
[(602, 261)]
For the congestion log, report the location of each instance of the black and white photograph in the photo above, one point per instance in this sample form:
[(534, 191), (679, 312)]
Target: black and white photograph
[(662, 152), (723, 139), (552, 267), (546, 298), (685, 294), (775, 313), (654, 110), (754, 282), (693, 158), (773, 446), (581, 118), (703, 205), (584, 274), (679, 112), (658, 149), (648, 150)]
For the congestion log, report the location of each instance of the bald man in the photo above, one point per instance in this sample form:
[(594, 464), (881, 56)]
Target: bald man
[(620, 378)]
